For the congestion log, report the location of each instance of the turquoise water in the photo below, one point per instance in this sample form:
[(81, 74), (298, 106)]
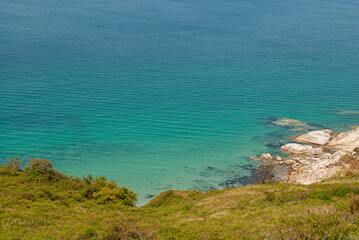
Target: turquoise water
[(166, 94)]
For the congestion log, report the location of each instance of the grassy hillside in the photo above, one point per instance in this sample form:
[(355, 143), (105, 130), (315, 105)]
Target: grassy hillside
[(40, 203)]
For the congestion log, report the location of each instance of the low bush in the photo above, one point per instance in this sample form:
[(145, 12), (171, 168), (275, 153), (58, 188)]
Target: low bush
[(104, 192), (89, 233), (41, 171), (12, 165), (40, 165)]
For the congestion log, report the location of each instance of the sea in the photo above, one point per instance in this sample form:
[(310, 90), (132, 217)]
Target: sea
[(172, 94)]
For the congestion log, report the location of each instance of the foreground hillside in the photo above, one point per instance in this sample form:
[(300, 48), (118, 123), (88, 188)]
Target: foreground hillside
[(40, 203)]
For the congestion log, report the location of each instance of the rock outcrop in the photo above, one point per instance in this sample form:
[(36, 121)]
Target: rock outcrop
[(320, 137), (308, 170), (314, 164), (295, 148), (345, 141)]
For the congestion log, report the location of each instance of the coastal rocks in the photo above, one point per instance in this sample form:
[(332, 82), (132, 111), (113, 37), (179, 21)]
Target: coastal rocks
[(338, 155), (345, 141), (266, 157), (320, 137), (254, 158), (312, 163), (295, 148), (308, 170)]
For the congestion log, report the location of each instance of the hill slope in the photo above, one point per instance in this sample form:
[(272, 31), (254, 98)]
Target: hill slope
[(40, 203)]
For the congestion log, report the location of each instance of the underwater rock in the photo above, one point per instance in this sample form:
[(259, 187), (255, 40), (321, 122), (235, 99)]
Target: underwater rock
[(247, 167), (290, 124), (346, 112), (295, 148), (320, 137), (273, 145)]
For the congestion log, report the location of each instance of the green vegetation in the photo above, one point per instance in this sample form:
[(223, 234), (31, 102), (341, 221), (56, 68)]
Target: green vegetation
[(41, 203)]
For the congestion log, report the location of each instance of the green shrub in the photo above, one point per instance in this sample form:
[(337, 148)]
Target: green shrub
[(104, 192), (89, 233), (42, 165), (12, 165), (270, 196), (115, 195)]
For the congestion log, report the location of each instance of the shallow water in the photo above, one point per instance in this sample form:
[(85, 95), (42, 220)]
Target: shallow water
[(161, 95)]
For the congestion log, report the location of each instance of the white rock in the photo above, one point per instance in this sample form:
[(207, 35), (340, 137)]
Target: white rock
[(278, 158), (338, 155), (317, 165), (320, 137), (345, 141), (295, 148), (312, 169), (266, 156)]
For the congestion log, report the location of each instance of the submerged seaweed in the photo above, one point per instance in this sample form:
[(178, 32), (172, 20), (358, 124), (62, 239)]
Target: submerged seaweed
[(237, 181)]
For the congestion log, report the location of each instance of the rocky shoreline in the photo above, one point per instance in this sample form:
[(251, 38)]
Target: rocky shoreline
[(311, 157)]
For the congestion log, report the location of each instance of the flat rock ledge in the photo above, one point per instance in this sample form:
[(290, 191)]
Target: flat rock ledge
[(313, 163), (295, 148), (320, 137), (345, 141), (308, 170)]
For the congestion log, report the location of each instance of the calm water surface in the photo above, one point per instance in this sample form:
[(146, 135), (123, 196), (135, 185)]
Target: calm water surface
[(169, 94)]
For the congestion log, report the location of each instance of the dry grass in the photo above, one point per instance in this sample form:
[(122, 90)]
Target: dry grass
[(350, 165)]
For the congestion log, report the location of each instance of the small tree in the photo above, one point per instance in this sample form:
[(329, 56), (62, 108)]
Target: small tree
[(264, 174)]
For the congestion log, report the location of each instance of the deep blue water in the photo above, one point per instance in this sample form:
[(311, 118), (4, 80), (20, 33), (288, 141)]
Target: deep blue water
[(170, 94)]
